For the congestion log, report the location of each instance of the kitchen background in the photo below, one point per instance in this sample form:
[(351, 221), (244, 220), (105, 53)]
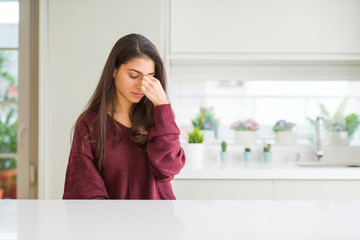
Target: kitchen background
[(248, 59)]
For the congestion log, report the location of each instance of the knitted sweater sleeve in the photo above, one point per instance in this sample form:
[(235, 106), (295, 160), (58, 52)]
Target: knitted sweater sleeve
[(82, 180), (166, 157)]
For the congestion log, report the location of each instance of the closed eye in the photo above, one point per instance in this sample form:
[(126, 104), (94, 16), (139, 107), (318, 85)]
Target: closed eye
[(140, 73), (134, 77)]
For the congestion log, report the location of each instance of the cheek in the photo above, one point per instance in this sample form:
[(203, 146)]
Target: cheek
[(118, 83), (124, 83)]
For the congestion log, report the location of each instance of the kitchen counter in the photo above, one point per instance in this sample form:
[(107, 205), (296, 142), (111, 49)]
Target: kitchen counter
[(282, 165), (117, 219), (266, 171)]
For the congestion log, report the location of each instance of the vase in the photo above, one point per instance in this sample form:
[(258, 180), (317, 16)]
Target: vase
[(209, 136), (267, 156), (194, 154), (224, 156), (335, 138), (246, 138), (8, 176), (247, 156), (285, 138)]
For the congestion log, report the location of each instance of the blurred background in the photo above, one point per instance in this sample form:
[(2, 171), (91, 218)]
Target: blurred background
[(250, 59)]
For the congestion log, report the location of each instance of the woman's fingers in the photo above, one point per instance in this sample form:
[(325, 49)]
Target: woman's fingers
[(146, 82), (153, 78), (147, 88), (153, 90)]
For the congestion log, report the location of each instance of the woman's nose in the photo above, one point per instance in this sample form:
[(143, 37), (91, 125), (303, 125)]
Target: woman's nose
[(138, 84), (142, 78)]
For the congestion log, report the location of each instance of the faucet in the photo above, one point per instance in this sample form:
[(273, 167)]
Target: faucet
[(318, 151)]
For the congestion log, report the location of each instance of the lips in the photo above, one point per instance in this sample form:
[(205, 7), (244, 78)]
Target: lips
[(138, 95)]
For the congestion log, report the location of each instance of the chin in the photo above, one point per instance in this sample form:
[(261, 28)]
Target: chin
[(136, 100)]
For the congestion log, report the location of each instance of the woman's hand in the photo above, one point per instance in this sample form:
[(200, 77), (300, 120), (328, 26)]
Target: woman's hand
[(153, 90)]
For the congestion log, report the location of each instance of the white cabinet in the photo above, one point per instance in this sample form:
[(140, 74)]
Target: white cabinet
[(264, 40), (261, 26), (316, 189), (238, 189), (224, 189)]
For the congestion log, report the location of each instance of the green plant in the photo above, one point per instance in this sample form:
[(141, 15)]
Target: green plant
[(267, 147), (283, 125), (338, 122), (247, 149), (8, 163), (205, 120), (8, 139), (352, 123), (195, 136), (10, 80), (223, 146), (1, 183), (8, 126)]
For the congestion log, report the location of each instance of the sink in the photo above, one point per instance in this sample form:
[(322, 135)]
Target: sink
[(328, 164)]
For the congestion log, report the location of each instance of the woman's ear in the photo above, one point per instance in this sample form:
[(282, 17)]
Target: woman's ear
[(114, 73)]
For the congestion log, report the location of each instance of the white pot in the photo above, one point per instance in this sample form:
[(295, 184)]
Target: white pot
[(194, 153), (209, 136), (285, 138), (335, 138), (247, 138)]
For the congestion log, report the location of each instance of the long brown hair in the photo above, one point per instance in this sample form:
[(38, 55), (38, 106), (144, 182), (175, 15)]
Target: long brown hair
[(104, 98)]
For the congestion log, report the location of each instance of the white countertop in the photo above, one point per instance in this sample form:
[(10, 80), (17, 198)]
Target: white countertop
[(118, 219), (282, 165), (262, 170)]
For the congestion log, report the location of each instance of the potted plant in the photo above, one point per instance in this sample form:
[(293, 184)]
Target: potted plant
[(207, 123), (245, 132), (247, 154), (283, 133), (194, 150), (8, 125), (8, 173), (336, 134), (224, 154), (267, 153), (8, 144), (339, 128)]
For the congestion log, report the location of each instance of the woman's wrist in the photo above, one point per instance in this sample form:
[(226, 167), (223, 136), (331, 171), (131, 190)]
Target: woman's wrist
[(162, 103)]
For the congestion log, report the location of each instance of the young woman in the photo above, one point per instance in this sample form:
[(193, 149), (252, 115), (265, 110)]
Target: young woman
[(126, 142)]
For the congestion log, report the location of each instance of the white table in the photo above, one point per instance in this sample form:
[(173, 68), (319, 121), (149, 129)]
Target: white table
[(116, 219)]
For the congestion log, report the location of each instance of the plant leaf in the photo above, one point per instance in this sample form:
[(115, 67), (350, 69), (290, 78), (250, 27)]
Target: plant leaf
[(323, 110), (339, 114)]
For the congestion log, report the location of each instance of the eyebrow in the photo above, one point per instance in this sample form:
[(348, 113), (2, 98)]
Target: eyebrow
[(134, 70)]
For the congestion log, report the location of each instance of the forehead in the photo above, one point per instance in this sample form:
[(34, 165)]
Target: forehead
[(143, 65)]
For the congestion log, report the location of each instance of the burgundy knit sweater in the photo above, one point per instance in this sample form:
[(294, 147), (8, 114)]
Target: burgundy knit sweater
[(128, 173)]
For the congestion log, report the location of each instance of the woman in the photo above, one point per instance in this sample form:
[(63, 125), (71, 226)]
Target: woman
[(126, 143)]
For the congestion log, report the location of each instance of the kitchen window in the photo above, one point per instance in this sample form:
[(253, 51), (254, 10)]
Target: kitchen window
[(9, 64), (18, 51), (266, 102)]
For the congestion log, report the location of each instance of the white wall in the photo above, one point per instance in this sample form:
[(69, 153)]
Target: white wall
[(75, 40)]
